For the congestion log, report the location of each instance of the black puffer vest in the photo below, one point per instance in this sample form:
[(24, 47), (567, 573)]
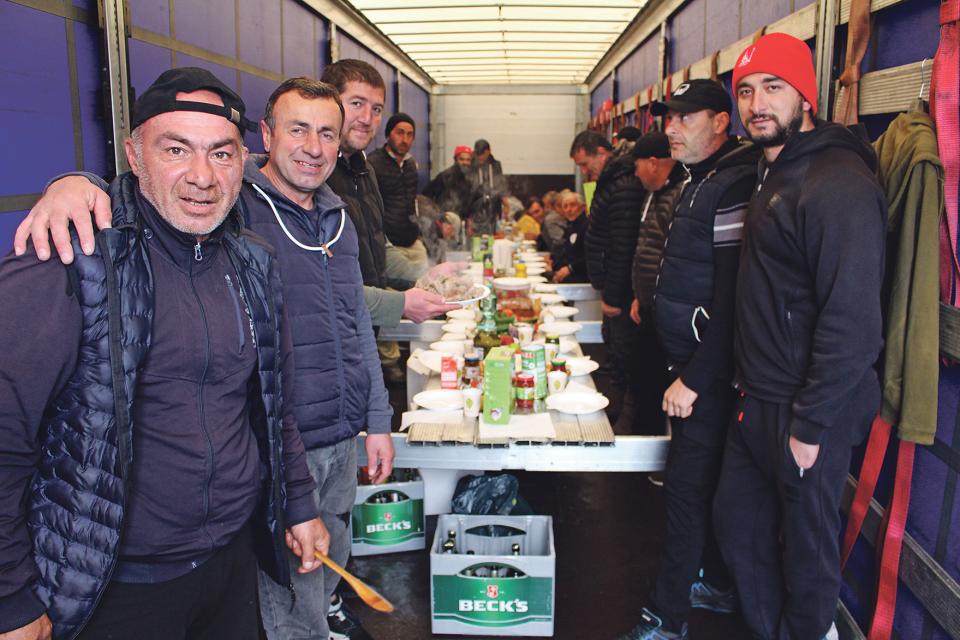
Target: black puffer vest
[(685, 283), (398, 188), (356, 183), (80, 490), (652, 235)]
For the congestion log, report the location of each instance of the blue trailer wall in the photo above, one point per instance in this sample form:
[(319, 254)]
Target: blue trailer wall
[(415, 102)]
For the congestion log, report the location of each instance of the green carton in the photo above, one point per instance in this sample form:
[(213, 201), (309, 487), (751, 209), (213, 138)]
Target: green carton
[(498, 385)]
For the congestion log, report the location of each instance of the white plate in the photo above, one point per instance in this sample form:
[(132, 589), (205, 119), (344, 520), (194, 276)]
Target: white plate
[(462, 314), (561, 312), (511, 283), (459, 326), (550, 298), (474, 267), (575, 402), (560, 328), (432, 359), (535, 271), (440, 399), (533, 259), (566, 344), (582, 366), (545, 288), (449, 347), (480, 291), (448, 336), (535, 280)]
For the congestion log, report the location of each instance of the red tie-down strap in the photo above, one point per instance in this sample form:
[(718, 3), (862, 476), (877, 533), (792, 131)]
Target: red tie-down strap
[(890, 541), (945, 107)]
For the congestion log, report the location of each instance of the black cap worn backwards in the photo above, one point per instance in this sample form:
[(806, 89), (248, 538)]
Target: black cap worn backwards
[(161, 97), (695, 95), (652, 145), (629, 133)]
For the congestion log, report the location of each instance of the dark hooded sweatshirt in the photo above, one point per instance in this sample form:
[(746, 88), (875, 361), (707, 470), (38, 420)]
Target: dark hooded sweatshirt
[(808, 323)]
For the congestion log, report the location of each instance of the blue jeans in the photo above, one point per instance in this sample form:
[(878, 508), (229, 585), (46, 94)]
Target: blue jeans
[(334, 469)]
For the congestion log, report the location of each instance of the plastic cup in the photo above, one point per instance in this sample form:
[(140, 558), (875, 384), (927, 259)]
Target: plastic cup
[(471, 402), (556, 381)]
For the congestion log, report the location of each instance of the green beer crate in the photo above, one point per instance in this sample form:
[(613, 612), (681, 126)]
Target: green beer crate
[(496, 579), (388, 518)]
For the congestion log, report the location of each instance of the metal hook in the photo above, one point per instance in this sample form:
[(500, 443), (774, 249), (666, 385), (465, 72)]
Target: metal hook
[(922, 81)]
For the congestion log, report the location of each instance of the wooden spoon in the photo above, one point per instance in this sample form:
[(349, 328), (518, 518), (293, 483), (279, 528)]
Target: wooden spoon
[(365, 591)]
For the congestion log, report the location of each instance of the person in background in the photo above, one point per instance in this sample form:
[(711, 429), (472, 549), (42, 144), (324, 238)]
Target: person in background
[(554, 225), (451, 189), (693, 316), (489, 188), (572, 264), (663, 178), (436, 228), (528, 224), (808, 333)]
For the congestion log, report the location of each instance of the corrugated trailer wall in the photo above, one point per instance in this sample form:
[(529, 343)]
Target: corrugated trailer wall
[(52, 102), (415, 102)]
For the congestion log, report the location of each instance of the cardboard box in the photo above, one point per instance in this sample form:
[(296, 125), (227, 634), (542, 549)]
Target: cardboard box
[(466, 598), (395, 524), (498, 385)]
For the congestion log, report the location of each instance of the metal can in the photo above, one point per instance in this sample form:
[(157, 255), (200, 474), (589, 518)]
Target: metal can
[(533, 360)]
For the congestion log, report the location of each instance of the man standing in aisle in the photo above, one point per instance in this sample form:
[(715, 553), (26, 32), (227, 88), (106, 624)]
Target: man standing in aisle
[(489, 188), (693, 315), (149, 442), (808, 332), (610, 244), (451, 188)]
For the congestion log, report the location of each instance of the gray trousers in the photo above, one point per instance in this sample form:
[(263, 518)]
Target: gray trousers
[(334, 469)]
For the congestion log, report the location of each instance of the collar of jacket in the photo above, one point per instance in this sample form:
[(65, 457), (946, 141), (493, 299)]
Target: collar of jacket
[(400, 161), (355, 164), (324, 199)]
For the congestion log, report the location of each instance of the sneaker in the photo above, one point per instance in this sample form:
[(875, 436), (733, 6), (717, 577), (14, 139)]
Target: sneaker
[(343, 623), (704, 596), (651, 628)]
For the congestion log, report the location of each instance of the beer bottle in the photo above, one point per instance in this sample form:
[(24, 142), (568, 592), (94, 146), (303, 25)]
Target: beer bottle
[(515, 549), (449, 546)]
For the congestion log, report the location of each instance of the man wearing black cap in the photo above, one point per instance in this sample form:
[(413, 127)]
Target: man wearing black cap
[(693, 314), (662, 177), (149, 458)]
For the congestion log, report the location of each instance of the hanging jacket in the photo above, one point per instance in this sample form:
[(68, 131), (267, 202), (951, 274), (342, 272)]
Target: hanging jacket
[(694, 320), (85, 493), (911, 174), (655, 217), (339, 387), (612, 233), (398, 188), (808, 323)]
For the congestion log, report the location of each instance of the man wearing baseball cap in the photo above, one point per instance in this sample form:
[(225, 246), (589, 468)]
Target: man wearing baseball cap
[(693, 316), (150, 460), (808, 331)]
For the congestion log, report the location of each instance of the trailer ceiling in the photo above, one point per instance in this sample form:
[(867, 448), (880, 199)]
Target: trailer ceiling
[(511, 41)]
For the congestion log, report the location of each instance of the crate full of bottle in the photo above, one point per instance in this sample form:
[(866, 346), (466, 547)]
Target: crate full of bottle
[(388, 517), (493, 576)]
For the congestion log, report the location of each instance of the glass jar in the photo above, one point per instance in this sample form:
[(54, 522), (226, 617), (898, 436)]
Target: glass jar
[(525, 392)]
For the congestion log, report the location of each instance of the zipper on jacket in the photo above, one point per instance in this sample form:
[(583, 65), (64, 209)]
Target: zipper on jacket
[(242, 339), (197, 253), (200, 399), (246, 309), (331, 308)]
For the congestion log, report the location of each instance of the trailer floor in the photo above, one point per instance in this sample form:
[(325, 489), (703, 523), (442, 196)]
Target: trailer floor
[(608, 529)]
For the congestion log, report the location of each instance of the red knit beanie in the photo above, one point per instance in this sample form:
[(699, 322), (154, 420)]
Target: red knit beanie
[(462, 149), (784, 56)]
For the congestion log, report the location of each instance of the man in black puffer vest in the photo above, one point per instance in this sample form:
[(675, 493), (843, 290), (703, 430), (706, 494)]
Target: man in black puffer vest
[(808, 332), (151, 456), (662, 177), (693, 313), (610, 244)]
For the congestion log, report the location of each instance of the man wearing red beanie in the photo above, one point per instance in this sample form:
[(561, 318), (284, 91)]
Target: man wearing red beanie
[(808, 330)]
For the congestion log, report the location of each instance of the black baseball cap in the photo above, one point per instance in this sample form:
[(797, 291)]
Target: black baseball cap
[(695, 95), (161, 97), (629, 133), (652, 145)]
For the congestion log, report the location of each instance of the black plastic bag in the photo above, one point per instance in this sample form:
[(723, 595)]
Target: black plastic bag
[(490, 495)]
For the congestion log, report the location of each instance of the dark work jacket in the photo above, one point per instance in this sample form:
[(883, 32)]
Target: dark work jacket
[(708, 217), (356, 183), (398, 188), (339, 383), (574, 249), (451, 190), (808, 309), (92, 496), (655, 220), (612, 234)]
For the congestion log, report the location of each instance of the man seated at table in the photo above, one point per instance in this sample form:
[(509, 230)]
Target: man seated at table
[(572, 263)]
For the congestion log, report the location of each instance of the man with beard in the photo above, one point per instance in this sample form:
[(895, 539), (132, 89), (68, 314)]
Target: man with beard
[(148, 448), (451, 189), (693, 316), (808, 332)]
